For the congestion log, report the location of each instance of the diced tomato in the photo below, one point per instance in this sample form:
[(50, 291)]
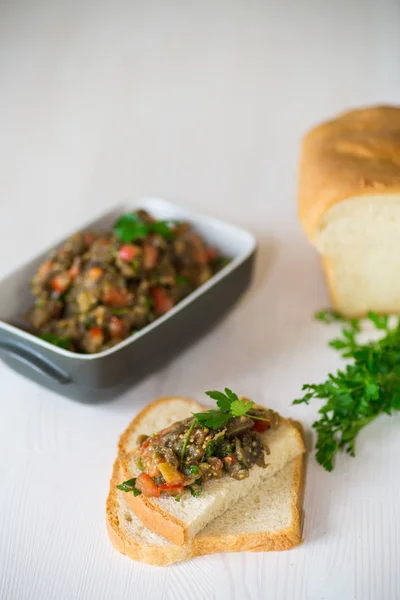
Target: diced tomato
[(128, 252), (211, 254), (145, 444), (260, 426), (117, 327), (118, 298), (94, 274), (61, 282), (44, 269), (172, 490), (162, 302), (75, 269), (96, 332), (150, 256), (146, 485), (171, 474)]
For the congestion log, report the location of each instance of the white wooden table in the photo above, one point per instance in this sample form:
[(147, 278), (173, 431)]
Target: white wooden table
[(203, 103)]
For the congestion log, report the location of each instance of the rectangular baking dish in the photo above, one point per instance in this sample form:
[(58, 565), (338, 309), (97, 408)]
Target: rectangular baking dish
[(100, 377)]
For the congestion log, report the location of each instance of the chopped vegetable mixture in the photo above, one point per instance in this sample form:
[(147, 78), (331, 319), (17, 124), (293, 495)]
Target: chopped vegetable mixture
[(189, 452), (99, 288)]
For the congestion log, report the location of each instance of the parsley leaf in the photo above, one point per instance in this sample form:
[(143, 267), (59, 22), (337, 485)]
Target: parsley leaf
[(241, 407), (163, 229), (58, 341), (229, 406), (212, 418), (181, 280), (130, 227), (368, 386), (129, 486)]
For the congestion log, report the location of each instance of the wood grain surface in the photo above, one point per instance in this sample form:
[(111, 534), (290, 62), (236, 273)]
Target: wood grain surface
[(203, 103)]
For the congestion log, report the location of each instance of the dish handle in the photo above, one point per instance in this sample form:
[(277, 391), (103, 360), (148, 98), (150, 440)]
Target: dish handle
[(35, 361)]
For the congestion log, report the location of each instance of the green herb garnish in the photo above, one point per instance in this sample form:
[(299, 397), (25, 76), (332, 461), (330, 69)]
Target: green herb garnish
[(357, 394), (220, 261), (129, 486), (118, 311), (163, 228), (185, 443), (181, 280), (131, 227), (194, 469), (213, 447), (195, 492), (229, 406), (140, 464), (58, 341)]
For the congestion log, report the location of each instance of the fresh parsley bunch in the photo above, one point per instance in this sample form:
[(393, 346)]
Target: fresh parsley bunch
[(361, 391)]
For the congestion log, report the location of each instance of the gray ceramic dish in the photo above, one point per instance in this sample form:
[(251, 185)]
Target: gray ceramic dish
[(102, 376)]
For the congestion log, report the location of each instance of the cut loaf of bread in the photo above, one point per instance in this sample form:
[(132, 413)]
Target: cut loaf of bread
[(268, 520), (179, 522), (349, 206)]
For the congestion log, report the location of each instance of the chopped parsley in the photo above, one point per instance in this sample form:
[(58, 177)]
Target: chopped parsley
[(181, 280), (58, 341), (129, 486)]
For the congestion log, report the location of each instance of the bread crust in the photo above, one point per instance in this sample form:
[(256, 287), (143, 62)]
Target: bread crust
[(355, 154), (200, 545), (150, 513)]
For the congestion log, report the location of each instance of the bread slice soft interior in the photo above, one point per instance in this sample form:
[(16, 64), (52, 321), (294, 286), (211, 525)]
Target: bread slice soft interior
[(349, 205), (269, 519), (181, 521), (360, 242)]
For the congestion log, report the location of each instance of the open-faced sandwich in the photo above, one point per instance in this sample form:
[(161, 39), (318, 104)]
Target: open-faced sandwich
[(189, 481)]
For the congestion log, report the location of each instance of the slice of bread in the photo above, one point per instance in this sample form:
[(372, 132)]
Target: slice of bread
[(349, 206), (270, 520), (181, 521)]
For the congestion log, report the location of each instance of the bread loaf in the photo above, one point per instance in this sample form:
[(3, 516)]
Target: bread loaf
[(349, 206)]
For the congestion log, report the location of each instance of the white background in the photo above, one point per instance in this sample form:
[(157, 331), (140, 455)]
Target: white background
[(203, 103)]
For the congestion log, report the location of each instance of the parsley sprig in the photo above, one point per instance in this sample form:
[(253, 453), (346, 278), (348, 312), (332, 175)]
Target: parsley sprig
[(357, 394), (229, 405), (131, 227)]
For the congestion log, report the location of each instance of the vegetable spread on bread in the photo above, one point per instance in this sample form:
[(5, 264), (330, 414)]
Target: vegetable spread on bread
[(98, 288), (210, 444)]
